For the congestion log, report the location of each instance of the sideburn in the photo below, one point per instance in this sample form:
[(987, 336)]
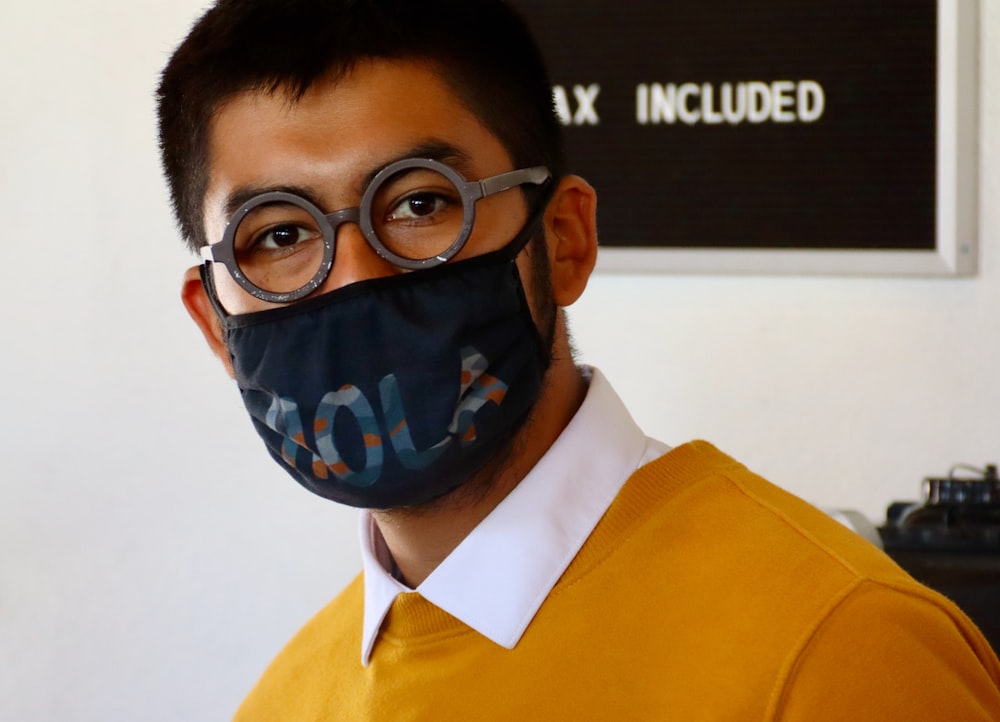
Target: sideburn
[(542, 296)]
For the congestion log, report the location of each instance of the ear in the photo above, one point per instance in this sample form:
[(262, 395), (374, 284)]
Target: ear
[(200, 309), (571, 235)]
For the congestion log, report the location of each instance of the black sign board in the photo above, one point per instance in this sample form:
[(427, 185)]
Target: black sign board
[(809, 131)]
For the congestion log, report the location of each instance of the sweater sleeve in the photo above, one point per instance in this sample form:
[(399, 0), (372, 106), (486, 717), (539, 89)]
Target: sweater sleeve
[(887, 654)]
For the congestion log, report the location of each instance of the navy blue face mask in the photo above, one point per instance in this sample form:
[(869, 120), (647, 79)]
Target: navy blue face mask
[(392, 392)]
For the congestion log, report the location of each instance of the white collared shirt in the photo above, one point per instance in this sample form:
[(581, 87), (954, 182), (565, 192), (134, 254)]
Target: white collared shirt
[(496, 579)]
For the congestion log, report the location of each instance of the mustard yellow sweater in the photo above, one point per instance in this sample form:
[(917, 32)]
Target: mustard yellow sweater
[(705, 593)]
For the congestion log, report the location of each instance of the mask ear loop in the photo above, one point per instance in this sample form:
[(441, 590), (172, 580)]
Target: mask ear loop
[(510, 252), (213, 296), (530, 228)]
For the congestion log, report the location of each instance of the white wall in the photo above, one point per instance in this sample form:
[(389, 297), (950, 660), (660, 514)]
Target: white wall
[(152, 558)]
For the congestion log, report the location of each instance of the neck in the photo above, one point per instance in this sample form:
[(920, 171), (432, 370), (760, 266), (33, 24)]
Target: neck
[(420, 538)]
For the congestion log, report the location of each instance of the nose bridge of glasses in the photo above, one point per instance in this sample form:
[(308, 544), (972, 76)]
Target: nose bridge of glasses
[(356, 254), (353, 216), (345, 215)]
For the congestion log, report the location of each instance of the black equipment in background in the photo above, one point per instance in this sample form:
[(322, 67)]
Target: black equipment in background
[(951, 542)]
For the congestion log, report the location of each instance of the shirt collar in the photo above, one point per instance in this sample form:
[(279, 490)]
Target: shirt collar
[(498, 576)]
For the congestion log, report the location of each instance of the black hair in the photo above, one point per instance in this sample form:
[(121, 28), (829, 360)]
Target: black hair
[(482, 49)]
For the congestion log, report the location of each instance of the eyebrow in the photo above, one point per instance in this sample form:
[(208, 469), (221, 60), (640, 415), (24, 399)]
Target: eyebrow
[(432, 149)]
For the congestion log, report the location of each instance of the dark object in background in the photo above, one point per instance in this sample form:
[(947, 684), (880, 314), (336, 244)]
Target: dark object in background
[(951, 543)]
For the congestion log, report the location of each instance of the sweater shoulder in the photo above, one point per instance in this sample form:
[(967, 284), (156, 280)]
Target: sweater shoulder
[(715, 497), (699, 529), (750, 585)]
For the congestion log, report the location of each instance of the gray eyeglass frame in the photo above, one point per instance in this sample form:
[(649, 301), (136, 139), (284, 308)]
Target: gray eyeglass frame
[(470, 191)]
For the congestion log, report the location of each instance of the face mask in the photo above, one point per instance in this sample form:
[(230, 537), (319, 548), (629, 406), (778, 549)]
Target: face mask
[(392, 392)]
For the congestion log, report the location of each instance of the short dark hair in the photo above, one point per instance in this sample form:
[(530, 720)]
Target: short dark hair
[(482, 49)]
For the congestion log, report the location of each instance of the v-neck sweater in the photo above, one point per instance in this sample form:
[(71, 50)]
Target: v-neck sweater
[(704, 593)]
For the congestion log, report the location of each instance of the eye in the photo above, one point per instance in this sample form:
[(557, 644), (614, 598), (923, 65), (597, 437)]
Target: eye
[(282, 237), (275, 228), (419, 205)]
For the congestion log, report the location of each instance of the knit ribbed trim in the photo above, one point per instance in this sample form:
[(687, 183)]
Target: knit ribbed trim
[(412, 617)]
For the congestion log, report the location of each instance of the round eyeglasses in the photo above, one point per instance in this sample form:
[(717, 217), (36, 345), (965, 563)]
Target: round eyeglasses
[(416, 213)]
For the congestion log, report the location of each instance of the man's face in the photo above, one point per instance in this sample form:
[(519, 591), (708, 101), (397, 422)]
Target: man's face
[(328, 143)]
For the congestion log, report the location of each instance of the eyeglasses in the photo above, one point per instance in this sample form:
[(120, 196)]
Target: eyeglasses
[(416, 213)]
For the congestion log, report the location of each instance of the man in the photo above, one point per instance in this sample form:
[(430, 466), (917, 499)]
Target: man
[(389, 234)]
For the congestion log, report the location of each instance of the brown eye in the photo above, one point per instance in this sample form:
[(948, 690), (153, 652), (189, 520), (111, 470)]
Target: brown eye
[(283, 237), (417, 205)]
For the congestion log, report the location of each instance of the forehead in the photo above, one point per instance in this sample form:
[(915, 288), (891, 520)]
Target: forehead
[(336, 135)]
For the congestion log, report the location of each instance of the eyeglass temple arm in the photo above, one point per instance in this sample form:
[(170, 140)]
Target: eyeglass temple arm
[(535, 176)]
